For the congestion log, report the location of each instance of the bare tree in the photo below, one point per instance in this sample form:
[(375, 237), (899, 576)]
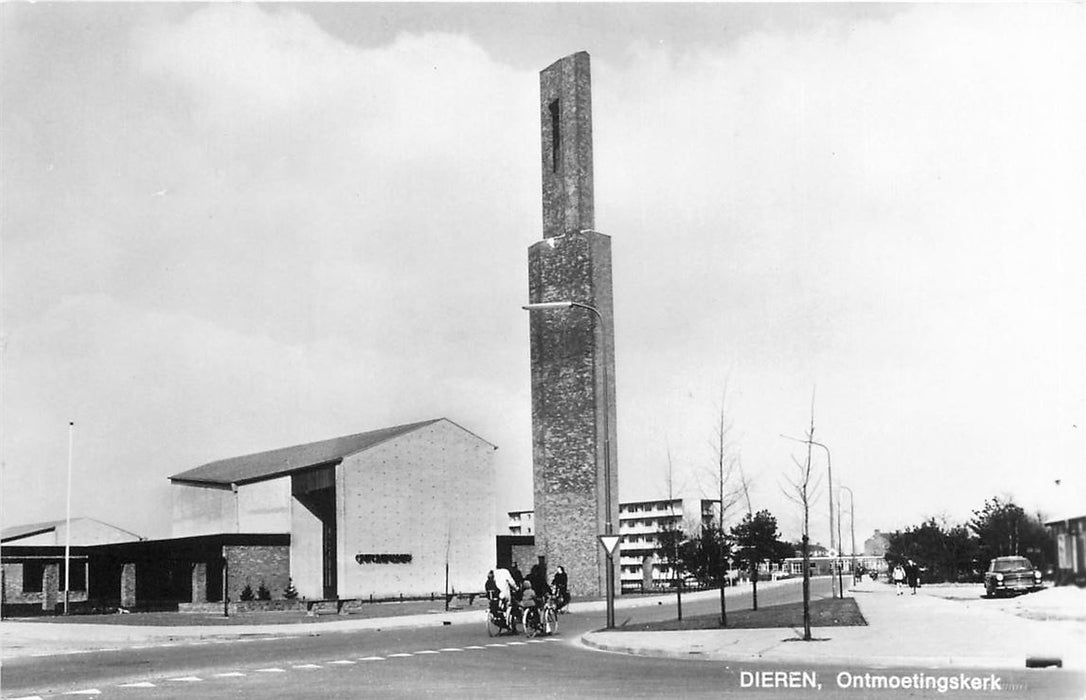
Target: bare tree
[(802, 493), (671, 536), (725, 465)]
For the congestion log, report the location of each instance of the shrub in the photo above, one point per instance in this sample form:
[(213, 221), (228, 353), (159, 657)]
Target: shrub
[(290, 592), (247, 592), (262, 593)]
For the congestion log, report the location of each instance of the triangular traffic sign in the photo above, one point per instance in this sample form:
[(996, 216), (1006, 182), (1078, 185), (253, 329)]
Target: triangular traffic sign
[(610, 543)]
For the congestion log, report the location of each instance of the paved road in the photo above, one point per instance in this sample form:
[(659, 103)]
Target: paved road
[(455, 661)]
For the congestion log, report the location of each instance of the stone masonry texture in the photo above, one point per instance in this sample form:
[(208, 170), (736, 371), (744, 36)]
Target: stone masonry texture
[(565, 104), (572, 352), (253, 565)]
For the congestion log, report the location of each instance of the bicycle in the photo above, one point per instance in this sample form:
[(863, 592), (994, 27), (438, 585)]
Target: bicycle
[(541, 621), (501, 618)]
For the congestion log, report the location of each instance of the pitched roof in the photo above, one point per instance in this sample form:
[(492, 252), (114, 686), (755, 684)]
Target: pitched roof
[(16, 532), (266, 465)]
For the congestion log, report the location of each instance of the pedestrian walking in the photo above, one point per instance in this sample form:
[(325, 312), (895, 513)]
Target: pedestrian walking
[(560, 585), (912, 575), (899, 578)]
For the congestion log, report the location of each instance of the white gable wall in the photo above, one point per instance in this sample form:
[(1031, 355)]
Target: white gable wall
[(426, 493)]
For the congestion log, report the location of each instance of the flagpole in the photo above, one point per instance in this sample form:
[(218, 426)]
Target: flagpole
[(68, 522)]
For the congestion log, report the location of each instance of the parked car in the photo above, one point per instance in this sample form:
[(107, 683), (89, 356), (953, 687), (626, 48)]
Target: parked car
[(1011, 575)]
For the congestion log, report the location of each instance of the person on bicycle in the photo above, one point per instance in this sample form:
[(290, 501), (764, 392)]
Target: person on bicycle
[(560, 585), (492, 593), (506, 586), (529, 601)]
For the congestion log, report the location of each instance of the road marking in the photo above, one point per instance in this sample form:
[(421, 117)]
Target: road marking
[(29, 697), (141, 684), (230, 674), (518, 644), (474, 647), (534, 641), (372, 658), (88, 691), (428, 651), (308, 666), (451, 649), (110, 649), (497, 645), (186, 679), (341, 661), (270, 670), (398, 656), (167, 644)]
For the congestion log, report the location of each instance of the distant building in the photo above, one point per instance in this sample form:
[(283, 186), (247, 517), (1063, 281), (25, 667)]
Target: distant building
[(876, 545), (521, 522), (1070, 536), (639, 525)]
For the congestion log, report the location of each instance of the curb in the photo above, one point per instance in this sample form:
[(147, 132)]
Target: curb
[(815, 658)]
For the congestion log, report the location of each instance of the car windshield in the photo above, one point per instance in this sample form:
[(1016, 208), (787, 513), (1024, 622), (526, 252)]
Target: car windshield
[(1016, 564)]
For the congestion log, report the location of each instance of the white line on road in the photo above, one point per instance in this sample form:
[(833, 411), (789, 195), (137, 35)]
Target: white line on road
[(141, 684), (29, 697), (399, 656), (518, 644), (230, 674), (372, 658), (88, 691), (497, 645), (474, 647), (428, 651), (270, 670), (451, 649), (186, 679), (308, 666), (343, 662)]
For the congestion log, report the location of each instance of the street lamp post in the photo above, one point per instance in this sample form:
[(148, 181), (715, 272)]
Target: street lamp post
[(68, 522), (607, 527), (851, 523), (829, 474)]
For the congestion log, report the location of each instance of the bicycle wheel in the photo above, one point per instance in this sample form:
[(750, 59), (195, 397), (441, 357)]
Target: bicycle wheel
[(530, 628), (550, 621), (492, 627)]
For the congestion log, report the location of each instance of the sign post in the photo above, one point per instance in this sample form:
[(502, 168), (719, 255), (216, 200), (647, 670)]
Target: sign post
[(610, 545)]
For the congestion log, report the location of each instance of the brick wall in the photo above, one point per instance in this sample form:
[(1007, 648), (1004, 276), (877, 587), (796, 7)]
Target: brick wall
[(251, 565)]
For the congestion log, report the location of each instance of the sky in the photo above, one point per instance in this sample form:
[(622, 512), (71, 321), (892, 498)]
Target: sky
[(230, 228)]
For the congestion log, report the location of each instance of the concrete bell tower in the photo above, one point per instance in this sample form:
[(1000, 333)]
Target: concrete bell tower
[(572, 345)]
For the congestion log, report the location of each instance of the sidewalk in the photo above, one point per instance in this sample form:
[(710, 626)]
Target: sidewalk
[(917, 630)]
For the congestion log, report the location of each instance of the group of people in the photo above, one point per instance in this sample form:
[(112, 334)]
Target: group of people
[(509, 588), (907, 574)]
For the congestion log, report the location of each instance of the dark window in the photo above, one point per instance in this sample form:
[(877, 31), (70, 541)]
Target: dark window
[(78, 581), (33, 574)]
